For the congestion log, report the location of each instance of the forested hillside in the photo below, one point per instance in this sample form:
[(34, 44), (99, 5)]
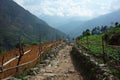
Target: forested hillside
[(17, 23)]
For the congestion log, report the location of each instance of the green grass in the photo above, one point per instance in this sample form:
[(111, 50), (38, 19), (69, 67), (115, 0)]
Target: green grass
[(115, 30), (95, 45), (112, 31)]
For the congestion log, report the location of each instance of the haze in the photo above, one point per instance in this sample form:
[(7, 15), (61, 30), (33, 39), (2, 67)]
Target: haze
[(86, 8), (57, 12)]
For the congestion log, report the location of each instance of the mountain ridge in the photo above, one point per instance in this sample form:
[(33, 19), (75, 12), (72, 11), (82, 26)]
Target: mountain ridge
[(103, 20), (15, 21)]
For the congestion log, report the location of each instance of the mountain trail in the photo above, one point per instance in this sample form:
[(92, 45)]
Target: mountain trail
[(60, 68)]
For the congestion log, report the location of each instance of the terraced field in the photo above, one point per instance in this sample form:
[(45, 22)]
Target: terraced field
[(31, 55)]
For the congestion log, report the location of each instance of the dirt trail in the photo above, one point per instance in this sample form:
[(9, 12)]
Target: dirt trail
[(60, 68)]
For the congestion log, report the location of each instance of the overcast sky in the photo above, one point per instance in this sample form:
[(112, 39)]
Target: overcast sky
[(84, 8)]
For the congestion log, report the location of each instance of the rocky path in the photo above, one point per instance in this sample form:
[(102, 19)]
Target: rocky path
[(59, 68)]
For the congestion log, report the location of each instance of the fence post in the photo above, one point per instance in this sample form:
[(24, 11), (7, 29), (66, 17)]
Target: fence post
[(21, 51), (1, 67), (103, 51)]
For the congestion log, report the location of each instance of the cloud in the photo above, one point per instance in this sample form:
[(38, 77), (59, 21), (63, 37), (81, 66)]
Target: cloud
[(20, 2), (86, 8)]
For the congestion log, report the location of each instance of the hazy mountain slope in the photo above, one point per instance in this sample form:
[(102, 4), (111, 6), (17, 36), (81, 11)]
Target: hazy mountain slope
[(54, 21), (103, 20), (16, 21), (63, 22), (69, 26)]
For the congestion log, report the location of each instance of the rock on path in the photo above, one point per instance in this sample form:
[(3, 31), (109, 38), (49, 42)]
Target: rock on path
[(60, 68)]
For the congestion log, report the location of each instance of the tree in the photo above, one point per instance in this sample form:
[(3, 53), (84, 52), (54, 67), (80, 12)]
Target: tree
[(84, 33), (87, 34), (96, 30), (104, 28), (93, 31), (116, 24)]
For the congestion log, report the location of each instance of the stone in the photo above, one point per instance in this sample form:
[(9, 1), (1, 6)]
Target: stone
[(31, 72), (48, 58), (105, 73), (26, 77), (11, 78), (48, 71), (71, 70), (49, 65), (65, 75), (34, 69), (34, 72), (40, 78), (56, 63), (51, 55), (66, 61), (49, 74), (47, 61), (56, 66), (102, 65), (41, 65), (42, 70)]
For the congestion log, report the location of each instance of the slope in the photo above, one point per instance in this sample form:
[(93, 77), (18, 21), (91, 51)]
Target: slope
[(64, 23), (17, 22), (69, 26), (103, 20)]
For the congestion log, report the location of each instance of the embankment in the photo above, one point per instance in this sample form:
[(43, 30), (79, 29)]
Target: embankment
[(88, 67)]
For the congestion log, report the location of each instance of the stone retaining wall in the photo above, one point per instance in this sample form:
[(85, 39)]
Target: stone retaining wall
[(88, 67)]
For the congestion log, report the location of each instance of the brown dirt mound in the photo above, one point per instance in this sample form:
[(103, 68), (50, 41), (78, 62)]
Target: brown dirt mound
[(115, 40)]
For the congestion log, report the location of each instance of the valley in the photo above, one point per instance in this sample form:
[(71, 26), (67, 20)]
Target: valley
[(59, 40)]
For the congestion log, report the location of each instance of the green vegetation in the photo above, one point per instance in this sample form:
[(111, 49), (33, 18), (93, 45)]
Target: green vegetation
[(104, 45), (15, 21), (112, 36), (2, 50), (94, 42), (101, 38), (95, 45), (23, 75)]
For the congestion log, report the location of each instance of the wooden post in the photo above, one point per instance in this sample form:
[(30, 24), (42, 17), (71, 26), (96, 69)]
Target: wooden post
[(87, 42), (21, 51), (103, 51), (40, 46), (2, 64)]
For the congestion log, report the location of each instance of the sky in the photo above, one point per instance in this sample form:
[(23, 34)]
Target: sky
[(62, 8)]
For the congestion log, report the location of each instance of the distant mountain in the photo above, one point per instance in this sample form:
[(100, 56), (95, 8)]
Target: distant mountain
[(59, 21), (103, 20), (65, 24), (69, 26), (15, 21), (54, 21)]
